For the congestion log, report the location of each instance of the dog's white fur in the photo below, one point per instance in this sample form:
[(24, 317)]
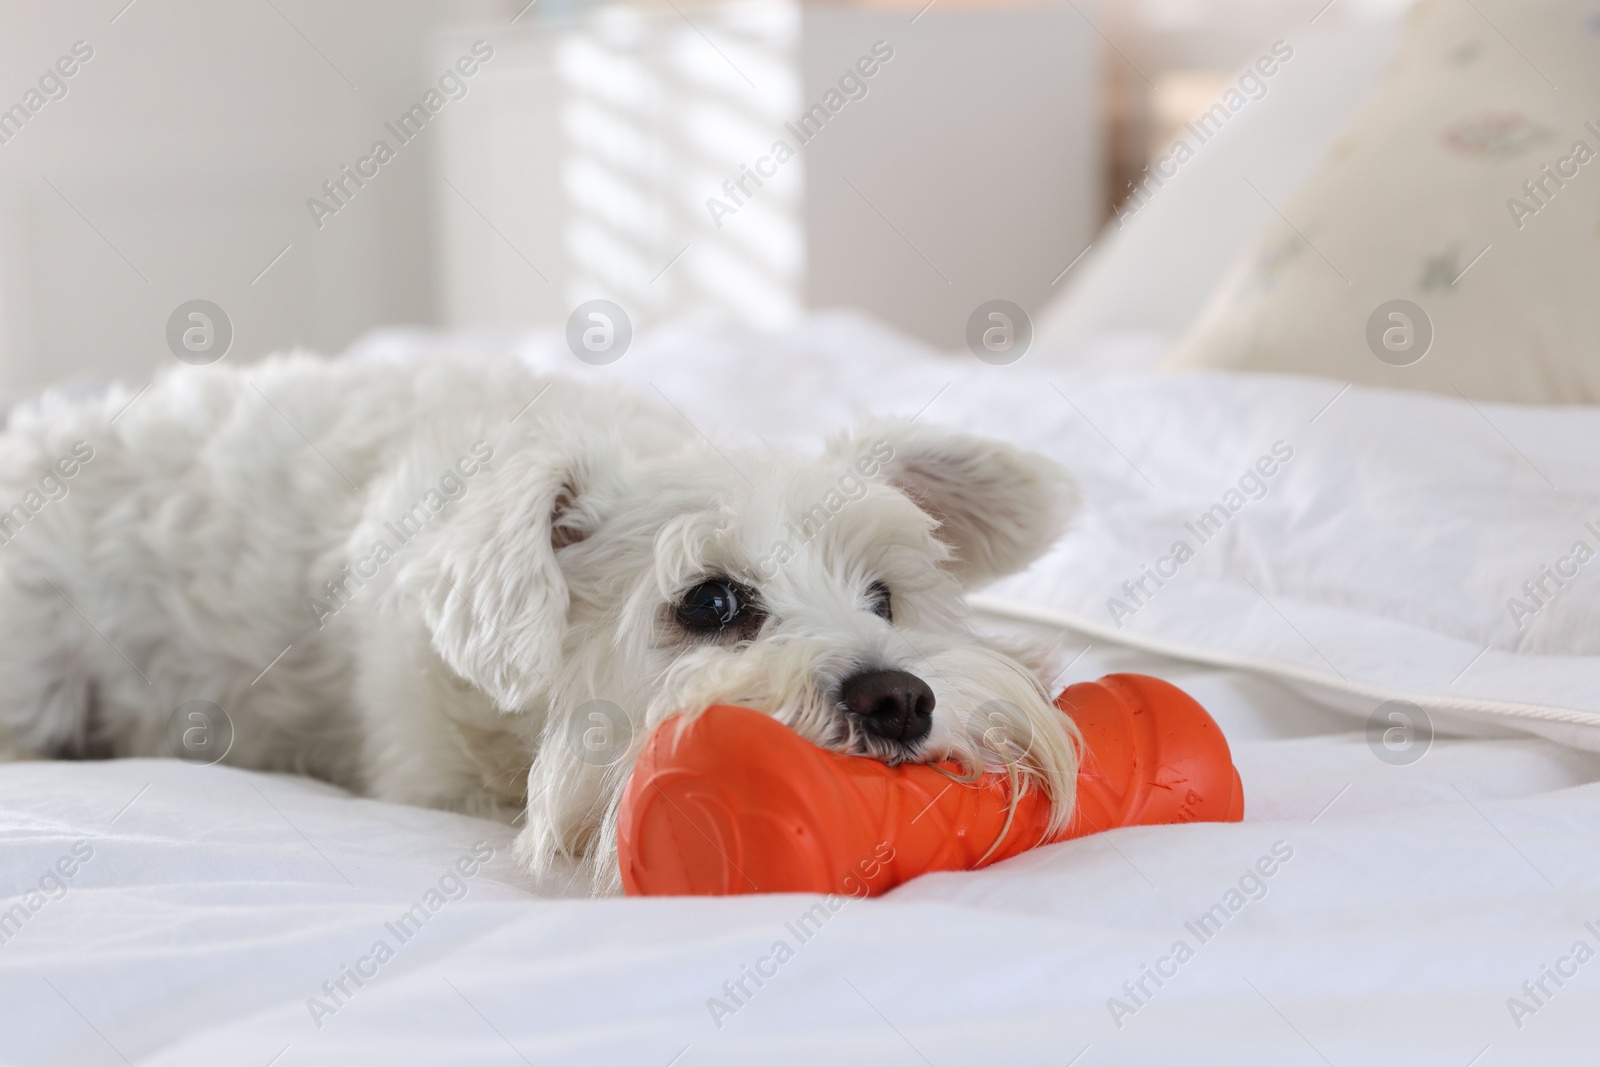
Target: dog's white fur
[(201, 539)]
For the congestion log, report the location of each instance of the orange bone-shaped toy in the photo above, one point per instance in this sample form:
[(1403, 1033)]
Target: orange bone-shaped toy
[(735, 802)]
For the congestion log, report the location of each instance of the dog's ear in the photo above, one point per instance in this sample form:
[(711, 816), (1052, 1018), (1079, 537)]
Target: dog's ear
[(998, 507), (493, 596)]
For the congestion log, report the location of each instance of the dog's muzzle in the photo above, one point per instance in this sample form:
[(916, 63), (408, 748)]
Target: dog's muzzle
[(893, 705)]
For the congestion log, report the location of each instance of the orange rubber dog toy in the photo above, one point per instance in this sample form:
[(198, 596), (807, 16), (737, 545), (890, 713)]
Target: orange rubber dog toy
[(735, 802)]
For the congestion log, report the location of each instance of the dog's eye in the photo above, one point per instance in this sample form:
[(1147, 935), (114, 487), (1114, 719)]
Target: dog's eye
[(878, 601), (713, 606)]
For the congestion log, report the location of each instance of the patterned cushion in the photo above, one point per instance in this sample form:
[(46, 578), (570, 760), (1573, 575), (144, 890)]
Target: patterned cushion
[(1451, 240)]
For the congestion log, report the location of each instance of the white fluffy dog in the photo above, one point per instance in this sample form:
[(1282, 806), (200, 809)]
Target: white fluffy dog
[(453, 583)]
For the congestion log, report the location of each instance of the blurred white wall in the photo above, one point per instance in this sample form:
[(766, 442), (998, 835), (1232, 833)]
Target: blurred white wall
[(585, 170), (964, 167), (180, 162), (971, 172)]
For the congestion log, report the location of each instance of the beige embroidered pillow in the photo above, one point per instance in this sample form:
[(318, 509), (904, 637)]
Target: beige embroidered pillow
[(1451, 240)]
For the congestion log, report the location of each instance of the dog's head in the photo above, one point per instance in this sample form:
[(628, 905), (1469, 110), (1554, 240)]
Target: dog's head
[(828, 593)]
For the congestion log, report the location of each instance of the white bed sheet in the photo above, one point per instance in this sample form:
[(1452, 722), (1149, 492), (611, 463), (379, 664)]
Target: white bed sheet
[(1379, 564), (1416, 902)]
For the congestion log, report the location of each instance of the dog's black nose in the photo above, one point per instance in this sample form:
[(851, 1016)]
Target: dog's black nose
[(892, 704)]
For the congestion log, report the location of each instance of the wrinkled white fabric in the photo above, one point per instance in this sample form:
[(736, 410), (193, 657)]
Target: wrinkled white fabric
[(1414, 903), (217, 904), (1380, 561)]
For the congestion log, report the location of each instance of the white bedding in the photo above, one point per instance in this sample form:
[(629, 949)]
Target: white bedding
[(1379, 563), (1416, 901)]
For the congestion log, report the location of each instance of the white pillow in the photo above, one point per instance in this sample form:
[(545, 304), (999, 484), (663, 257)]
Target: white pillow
[(1431, 199), (1151, 273)]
